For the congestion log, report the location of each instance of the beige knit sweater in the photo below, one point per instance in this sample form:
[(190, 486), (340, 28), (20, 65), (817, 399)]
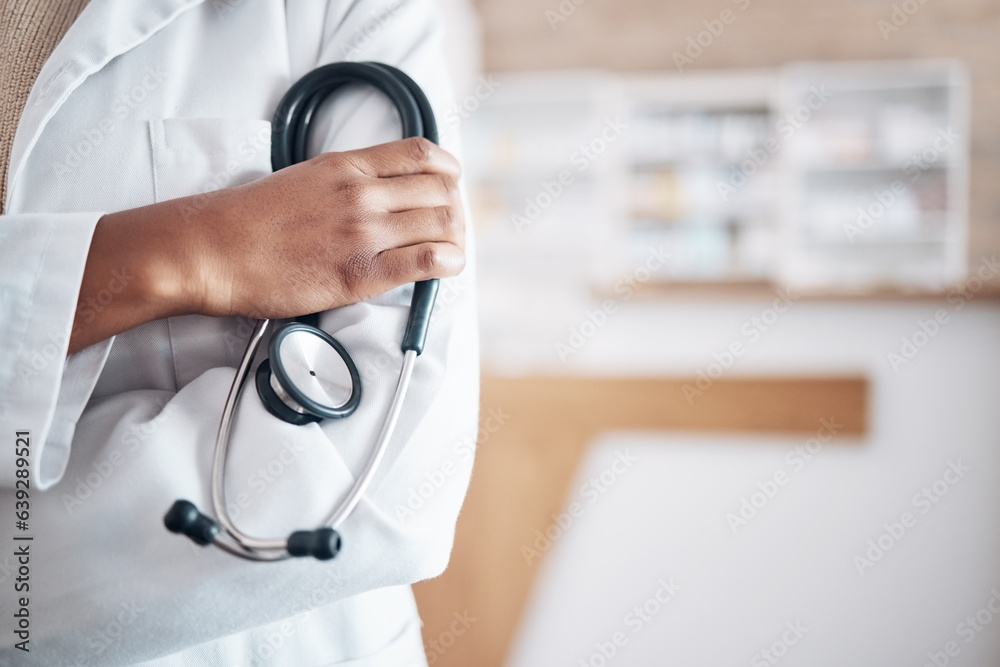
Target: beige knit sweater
[(29, 31)]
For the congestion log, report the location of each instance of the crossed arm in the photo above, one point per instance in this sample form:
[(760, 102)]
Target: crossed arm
[(337, 229)]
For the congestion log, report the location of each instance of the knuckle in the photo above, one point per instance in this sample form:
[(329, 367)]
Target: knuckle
[(329, 160), (448, 186), (448, 218), (429, 260), (356, 270), (421, 150), (353, 192)]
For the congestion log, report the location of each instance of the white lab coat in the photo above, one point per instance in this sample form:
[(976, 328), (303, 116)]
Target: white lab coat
[(147, 101)]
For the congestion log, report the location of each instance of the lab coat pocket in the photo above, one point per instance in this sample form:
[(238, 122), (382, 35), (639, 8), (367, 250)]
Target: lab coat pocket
[(195, 156)]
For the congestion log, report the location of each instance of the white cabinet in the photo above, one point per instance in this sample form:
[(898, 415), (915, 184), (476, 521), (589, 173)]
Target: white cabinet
[(841, 177), (875, 180)]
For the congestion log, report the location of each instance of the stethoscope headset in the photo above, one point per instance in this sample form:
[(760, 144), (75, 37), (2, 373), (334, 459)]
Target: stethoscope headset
[(309, 375)]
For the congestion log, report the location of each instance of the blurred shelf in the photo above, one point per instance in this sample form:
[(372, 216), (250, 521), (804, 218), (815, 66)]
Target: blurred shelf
[(759, 290), (710, 171), (869, 167), (836, 245)]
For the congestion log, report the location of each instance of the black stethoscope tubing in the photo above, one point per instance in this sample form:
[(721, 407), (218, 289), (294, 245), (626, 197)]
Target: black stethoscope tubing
[(293, 117)]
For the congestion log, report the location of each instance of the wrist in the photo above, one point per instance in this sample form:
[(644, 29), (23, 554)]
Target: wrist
[(173, 270), (154, 256), (194, 276)]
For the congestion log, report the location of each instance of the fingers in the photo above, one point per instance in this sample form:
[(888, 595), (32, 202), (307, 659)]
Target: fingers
[(404, 193), (401, 158), (422, 261), (438, 224)]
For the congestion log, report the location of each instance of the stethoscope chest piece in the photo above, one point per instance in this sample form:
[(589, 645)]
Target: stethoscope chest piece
[(308, 377)]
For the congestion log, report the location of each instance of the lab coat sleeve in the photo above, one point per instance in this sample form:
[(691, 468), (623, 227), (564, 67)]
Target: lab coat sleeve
[(41, 391)]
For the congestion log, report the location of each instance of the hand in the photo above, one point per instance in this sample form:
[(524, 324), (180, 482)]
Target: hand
[(335, 230)]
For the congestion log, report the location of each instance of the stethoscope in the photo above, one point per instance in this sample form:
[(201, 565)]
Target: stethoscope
[(309, 375)]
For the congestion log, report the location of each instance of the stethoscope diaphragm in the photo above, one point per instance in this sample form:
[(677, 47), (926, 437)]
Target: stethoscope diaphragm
[(308, 377)]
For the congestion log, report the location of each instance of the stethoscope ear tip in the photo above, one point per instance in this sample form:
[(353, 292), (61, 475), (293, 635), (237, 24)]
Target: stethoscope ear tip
[(184, 518), (321, 544)]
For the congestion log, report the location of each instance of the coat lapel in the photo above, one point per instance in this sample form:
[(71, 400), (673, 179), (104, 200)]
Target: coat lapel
[(104, 30)]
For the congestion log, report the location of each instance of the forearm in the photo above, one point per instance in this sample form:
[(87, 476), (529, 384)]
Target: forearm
[(136, 272)]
